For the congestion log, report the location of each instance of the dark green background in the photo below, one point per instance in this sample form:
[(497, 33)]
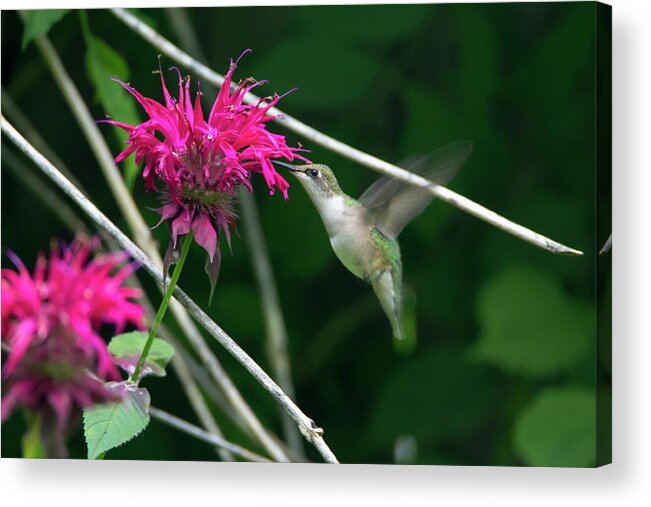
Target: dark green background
[(503, 372)]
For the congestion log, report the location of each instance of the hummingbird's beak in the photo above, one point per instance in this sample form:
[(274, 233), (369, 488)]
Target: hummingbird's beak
[(291, 167)]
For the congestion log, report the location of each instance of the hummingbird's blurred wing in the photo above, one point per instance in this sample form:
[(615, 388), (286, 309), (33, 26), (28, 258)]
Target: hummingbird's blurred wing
[(392, 203)]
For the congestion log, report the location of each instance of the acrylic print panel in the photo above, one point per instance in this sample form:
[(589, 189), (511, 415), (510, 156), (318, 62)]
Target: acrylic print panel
[(315, 324)]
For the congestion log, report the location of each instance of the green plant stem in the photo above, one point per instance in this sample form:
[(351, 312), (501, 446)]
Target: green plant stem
[(309, 429), (142, 235), (163, 306), (276, 332), (68, 217), (144, 239), (32, 443)]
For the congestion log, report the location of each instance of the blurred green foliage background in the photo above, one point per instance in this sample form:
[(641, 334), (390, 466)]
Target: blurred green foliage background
[(504, 369)]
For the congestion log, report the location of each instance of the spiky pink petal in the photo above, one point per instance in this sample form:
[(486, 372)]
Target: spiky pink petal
[(50, 323), (181, 226), (205, 234), (202, 163)]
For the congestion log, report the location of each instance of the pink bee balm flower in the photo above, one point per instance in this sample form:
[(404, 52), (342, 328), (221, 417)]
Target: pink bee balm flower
[(203, 162), (51, 319)]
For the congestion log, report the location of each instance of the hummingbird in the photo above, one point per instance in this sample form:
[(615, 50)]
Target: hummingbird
[(364, 232)]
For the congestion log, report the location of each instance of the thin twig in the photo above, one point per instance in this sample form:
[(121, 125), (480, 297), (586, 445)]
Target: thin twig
[(11, 110), (275, 323), (144, 238), (97, 144), (182, 368), (313, 135), (182, 27), (181, 23), (192, 391), (197, 432), (248, 420), (273, 315), (211, 391), (201, 378), (50, 199), (307, 426), (74, 223)]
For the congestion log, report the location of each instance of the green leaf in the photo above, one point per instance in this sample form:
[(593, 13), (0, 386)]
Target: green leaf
[(558, 428), (530, 325), (102, 63), (38, 23), (348, 72), (126, 349), (434, 396), (110, 425), (106, 63)]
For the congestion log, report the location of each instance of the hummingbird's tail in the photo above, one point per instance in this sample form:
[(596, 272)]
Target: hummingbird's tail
[(386, 291), (398, 331)]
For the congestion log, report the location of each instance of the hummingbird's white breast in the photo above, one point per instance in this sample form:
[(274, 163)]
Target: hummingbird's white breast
[(349, 233)]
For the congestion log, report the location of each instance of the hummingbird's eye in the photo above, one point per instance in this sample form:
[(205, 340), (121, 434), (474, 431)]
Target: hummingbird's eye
[(314, 172)]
